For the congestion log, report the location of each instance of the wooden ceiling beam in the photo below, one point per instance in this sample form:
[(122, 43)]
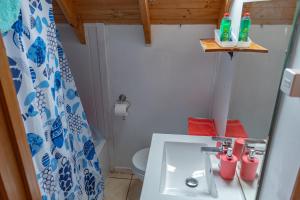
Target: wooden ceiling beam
[(145, 18), (69, 11)]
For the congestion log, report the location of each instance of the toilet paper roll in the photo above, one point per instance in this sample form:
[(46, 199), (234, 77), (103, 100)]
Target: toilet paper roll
[(121, 109)]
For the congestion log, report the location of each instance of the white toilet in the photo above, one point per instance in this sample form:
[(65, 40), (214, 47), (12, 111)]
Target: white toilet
[(139, 161)]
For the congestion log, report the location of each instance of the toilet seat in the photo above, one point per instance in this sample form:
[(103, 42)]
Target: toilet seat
[(139, 161)]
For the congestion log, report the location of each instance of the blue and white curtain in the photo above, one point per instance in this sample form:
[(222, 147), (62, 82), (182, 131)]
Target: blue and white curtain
[(57, 130)]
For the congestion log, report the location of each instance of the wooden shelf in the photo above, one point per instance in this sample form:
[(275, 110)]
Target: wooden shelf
[(209, 45)]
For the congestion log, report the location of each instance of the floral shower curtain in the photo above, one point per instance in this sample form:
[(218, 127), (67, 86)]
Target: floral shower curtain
[(57, 130)]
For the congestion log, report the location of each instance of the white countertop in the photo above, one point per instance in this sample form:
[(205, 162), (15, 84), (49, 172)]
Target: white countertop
[(151, 188)]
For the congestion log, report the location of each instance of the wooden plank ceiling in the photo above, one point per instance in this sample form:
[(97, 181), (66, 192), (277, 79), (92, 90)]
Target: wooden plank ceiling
[(147, 12), (175, 11)]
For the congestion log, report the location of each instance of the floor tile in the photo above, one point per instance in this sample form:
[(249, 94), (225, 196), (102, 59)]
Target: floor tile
[(123, 170), (120, 175), (116, 189), (135, 190)]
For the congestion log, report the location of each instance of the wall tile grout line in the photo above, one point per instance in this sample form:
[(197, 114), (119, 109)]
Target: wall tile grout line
[(129, 187)]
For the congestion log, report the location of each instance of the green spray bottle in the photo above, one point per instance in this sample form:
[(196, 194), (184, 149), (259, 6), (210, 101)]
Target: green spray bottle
[(225, 28), (245, 28)]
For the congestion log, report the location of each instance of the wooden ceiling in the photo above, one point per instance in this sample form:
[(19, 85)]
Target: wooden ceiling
[(176, 11), (168, 11)]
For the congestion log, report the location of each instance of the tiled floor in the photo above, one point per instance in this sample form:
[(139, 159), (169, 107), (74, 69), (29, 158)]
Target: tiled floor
[(122, 186)]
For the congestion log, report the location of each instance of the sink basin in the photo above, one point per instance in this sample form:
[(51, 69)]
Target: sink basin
[(186, 171), (177, 169)]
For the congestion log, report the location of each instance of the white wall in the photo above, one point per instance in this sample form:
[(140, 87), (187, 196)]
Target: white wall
[(284, 160), (165, 83), (257, 80)]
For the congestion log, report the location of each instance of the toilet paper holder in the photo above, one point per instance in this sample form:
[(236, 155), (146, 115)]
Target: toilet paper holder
[(122, 100)]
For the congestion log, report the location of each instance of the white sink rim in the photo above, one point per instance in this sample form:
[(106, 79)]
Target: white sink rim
[(151, 185)]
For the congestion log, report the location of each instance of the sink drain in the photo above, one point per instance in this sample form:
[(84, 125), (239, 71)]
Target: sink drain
[(191, 182)]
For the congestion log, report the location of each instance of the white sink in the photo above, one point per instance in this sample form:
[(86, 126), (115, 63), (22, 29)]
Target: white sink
[(183, 162), (174, 158)]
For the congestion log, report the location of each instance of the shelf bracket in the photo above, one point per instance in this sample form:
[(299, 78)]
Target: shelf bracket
[(231, 54)]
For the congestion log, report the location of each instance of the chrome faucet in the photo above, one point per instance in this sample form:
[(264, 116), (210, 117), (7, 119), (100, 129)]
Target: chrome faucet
[(226, 143), (249, 148), (250, 145)]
